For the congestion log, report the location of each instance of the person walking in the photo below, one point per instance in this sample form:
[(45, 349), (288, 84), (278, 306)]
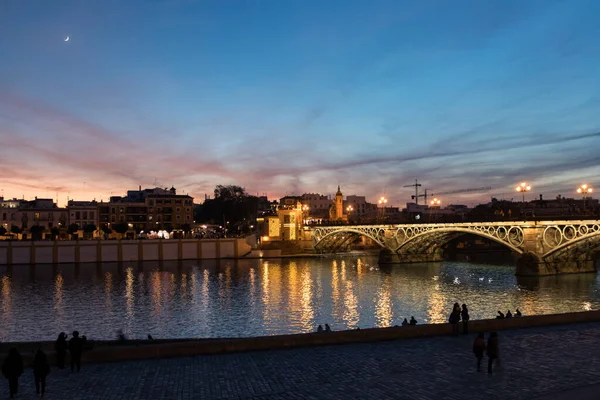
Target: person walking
[(12, 369), (41, 369), (455, 318), (60, 346), (75, 348), (479, 349), (464, 313), (492, 350)]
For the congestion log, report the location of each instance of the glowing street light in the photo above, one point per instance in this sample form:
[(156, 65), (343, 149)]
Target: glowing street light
[(584, 189), (305, 209), (382, 202), (436, 202), (523, 187)]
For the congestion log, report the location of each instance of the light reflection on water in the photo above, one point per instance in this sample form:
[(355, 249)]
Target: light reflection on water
[(254, 297)]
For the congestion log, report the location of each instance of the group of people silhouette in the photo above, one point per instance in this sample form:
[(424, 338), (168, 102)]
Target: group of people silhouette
[(413, 321), (508, 314), (457, 315), (480, 347), (13, 367)]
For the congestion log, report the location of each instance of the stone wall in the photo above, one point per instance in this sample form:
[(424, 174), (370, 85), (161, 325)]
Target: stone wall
[(88, 251)]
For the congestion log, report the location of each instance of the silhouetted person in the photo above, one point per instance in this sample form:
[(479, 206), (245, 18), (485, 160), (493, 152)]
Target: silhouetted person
[(320, 329), (500, 315), (413, 321), (327, 328), (75, 348), (455, 318), (60, 346), (12, 369), (508, 314), (518, 313), (121, 336), (405, 322), (464, 313), (150, 337), (41, 369), (492, 350), (479, 349)]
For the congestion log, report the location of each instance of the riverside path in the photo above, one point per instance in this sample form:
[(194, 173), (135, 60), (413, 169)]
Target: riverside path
[(540, 363)]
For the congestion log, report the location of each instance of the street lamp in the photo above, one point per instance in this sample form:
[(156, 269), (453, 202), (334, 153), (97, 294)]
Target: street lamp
[(436, 202), (349, 209), (382, 202), (584, 189), (523, 187)]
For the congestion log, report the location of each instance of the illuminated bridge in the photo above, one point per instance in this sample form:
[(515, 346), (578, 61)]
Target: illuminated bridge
[(543, 247)]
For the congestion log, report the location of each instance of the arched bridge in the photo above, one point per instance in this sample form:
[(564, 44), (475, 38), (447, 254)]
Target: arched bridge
[(543, 247)]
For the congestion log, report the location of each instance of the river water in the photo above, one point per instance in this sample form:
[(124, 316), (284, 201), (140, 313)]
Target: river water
[(266, 297)]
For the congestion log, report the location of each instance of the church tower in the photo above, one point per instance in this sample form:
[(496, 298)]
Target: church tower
[(339, 204)]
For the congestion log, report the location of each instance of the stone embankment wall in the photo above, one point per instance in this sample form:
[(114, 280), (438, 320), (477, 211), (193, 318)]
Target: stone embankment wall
[(94, 251), (143, 349)]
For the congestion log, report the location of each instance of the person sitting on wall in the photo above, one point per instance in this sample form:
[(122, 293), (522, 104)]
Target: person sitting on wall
[(320, 329), (500, 315), (518, 313), (405, 322), (413, 321), (508, 314), (327, 328)]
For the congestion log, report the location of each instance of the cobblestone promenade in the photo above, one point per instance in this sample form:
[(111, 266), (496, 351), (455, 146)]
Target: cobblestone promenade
[(536, 363)]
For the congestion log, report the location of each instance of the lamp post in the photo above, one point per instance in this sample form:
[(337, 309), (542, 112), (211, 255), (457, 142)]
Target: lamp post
[(435, 205), (523, 187), (349, 209), (584, 189), (382, 202)]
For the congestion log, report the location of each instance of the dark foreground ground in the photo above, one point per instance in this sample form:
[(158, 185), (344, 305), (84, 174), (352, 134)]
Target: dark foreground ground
[(561, 362)]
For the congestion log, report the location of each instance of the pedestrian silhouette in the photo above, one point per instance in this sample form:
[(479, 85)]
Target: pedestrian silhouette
[(508, 314), (150, 337), (75, 348), (518, 313), (455, 318), (41, 369), (12, 369), (413, 321), (320, 329), (464, 313), (492, 350), (405, 322), (327, 328), (500, 315), (60, 346), (479, 349), (121, 336)]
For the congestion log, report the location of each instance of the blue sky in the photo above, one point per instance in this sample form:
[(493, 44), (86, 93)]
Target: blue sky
[(299, 96)]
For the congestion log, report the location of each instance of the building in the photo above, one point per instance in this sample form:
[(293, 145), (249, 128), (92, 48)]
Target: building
[(83, 213), (286, 225), (318, 205)]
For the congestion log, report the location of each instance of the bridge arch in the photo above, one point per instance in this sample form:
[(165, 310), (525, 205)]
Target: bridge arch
[(377, 234), (509, 236), (558, 238)]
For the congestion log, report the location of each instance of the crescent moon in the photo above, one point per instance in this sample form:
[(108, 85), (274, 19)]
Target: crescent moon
[(67, 39)]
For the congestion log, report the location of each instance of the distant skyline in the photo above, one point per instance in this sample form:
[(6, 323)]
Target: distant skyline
[(286, 97)]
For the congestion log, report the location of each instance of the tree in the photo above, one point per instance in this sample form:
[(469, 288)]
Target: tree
[(2, 231), (89, 229), (36, 232), (232, 207), (15, 229), (54, 232), (72, 229), (121, 228)]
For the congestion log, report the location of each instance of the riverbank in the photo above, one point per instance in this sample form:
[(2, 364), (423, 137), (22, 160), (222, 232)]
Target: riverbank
[(540, 363), (110, 351)]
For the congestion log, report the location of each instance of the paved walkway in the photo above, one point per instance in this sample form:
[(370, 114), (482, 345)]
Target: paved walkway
[(546, 363)]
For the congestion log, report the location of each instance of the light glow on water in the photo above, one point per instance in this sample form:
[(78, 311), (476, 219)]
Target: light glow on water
[(256, 297)]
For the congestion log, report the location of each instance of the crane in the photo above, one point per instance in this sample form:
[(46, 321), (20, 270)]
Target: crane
[(469, 190), (416, 196)]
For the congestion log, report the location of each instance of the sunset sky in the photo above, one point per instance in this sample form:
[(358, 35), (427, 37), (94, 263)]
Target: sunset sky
[(289, 96)]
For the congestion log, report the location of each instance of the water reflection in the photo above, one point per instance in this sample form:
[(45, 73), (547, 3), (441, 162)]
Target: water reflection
[(254, 297)]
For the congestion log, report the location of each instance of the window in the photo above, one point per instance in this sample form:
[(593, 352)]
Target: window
[(286, 219), (112, 210), (178, 209), (187, 209), (178, 217), (85, 215), (149, 217), (121, 209), (91, 215), (36, 216), (78, 215), (112, 218)]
